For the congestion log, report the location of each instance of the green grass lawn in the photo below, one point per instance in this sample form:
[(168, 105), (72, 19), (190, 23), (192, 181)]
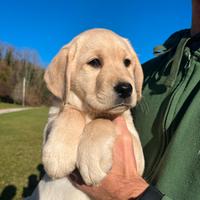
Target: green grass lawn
[(20, 154), (9, 105)]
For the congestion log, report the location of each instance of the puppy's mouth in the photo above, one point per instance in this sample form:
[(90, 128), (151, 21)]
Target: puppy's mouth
[(119, 108)]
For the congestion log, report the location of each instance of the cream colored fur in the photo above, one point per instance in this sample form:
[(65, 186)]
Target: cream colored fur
[(80, 133)]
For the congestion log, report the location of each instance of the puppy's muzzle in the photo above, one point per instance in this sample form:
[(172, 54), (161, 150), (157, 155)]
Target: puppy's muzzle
[(123, 89)]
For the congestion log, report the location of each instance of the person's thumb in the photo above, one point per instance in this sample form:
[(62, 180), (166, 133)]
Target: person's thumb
[(123, 153), (120, 125)]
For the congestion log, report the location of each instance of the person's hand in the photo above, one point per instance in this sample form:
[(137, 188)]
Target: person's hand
[(123, 181)]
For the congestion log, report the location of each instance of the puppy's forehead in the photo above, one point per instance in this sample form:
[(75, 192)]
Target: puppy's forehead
[(102, 39)]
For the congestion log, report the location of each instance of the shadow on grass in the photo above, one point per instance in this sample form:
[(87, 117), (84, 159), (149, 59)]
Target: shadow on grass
[(8, 192), (33, 180)]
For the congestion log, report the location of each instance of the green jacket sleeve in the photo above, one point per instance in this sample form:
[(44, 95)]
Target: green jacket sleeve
[(167, 119)]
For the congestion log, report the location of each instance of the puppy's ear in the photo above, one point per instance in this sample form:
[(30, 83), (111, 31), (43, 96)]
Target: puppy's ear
[(138, 72), (139, 77), (57, 75)]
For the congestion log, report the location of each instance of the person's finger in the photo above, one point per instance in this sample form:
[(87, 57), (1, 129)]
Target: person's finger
[(90, 190), (76, 177)]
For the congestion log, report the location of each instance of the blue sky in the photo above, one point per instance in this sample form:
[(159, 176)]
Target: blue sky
[(46, 25)]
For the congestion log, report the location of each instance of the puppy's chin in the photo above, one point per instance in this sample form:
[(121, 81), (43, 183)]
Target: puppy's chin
[(108, 108), (117, 110)]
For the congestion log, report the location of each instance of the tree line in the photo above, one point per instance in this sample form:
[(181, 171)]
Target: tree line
[(18, 66)]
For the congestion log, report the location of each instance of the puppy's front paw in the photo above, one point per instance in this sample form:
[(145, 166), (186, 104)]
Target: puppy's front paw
[(94, 158), (59, 160), (60, 150)]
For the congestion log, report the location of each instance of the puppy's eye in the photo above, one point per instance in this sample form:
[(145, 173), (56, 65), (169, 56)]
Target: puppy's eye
[(96, 63), (127, 62)]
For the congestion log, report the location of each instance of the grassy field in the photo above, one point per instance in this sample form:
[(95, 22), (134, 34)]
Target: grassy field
[(9, 105), (20, 157)]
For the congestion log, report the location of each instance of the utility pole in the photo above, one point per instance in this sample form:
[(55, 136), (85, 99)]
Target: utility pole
[(24, 91)]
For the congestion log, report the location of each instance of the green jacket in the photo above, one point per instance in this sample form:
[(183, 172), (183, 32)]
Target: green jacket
[(168, 118)]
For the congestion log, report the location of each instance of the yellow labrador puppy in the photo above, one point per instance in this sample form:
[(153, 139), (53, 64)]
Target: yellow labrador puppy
[(97, 76)]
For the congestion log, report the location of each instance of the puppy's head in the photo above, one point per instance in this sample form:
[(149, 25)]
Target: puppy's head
[(101, 69)]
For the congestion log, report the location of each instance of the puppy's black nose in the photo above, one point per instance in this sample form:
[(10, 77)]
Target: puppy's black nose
[(123, 89)]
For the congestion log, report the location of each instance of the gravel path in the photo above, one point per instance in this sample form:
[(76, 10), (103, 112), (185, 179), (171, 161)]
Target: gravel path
[(9, 110)]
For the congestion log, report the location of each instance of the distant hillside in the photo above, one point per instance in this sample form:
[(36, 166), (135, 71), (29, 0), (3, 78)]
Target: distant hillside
[(16, 67)]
